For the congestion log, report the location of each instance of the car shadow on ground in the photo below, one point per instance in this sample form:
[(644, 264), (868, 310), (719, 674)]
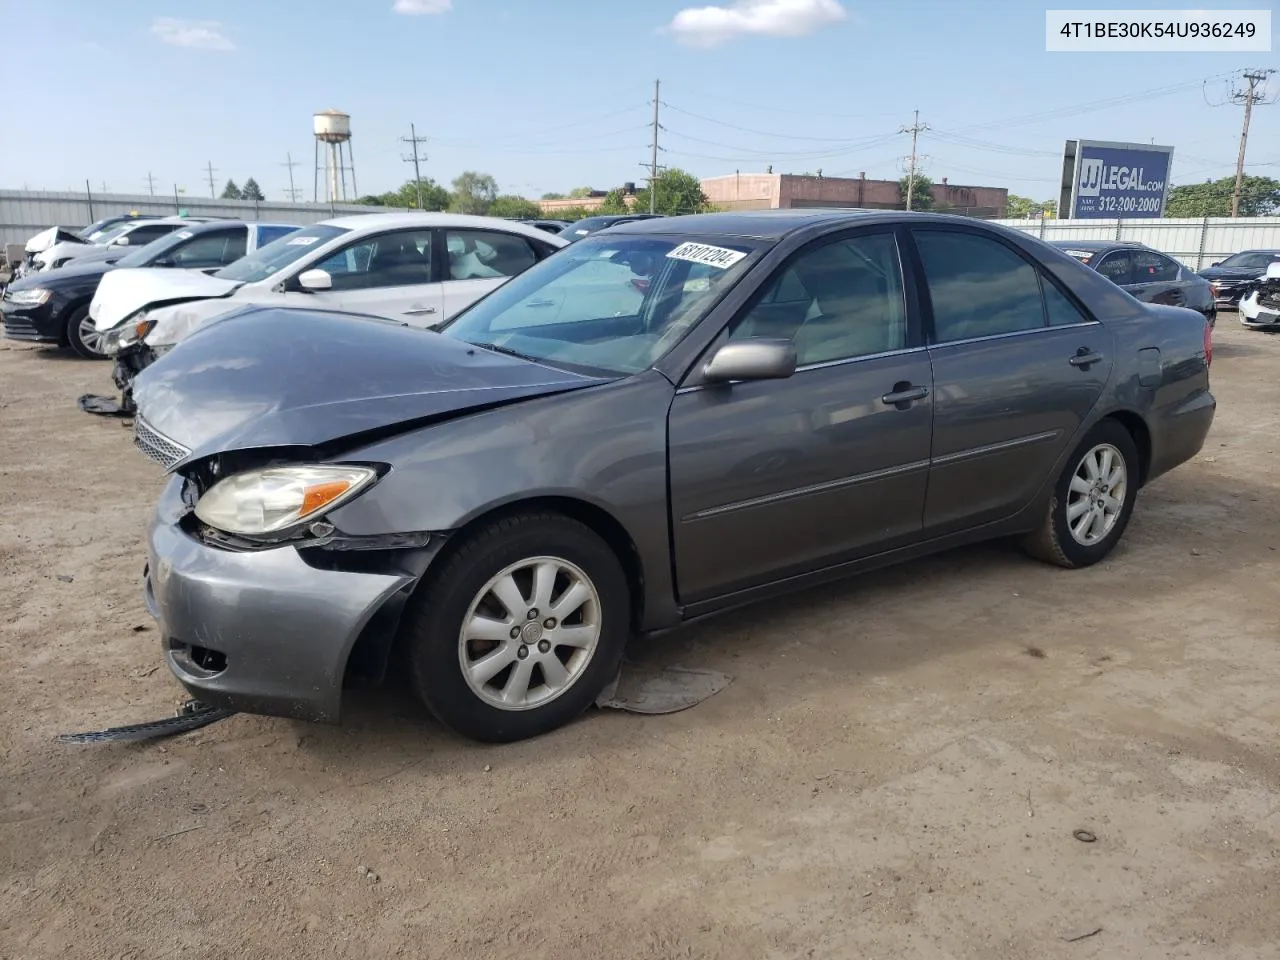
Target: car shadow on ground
[(846, 632)]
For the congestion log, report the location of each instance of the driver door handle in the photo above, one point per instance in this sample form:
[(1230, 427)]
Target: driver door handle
[(903, 395)]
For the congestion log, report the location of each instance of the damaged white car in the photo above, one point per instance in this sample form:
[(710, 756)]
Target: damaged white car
[(1260, 306), (421, 268)]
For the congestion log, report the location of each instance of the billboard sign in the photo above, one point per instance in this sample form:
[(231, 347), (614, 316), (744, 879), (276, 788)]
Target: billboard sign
[(1110, 181)]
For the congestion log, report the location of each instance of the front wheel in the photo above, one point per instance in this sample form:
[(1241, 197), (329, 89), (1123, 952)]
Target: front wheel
[(82, 336), (521, 629), (1092, 500)]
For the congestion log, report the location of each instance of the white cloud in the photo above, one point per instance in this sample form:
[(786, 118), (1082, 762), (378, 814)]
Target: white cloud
[(412, 7), (201, 34), (711, 26)]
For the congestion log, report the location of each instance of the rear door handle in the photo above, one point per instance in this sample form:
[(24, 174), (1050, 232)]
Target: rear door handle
[(903, 395), (1085, 358)]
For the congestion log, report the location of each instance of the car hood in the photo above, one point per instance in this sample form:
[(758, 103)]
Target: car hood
[(274, 378), (1232, 273), (73, 274), (125, 292), (47, 238)]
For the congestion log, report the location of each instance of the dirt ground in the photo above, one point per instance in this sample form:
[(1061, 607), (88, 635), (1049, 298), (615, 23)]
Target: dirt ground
[(896, 771)]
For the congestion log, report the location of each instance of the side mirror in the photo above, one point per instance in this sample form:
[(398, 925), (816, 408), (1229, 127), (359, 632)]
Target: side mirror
[(1273, 271), (120, 242), (314, 280), (756, 359), (1216, 263)]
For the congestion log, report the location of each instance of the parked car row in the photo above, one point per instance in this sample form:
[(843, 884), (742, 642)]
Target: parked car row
[(470, 450)]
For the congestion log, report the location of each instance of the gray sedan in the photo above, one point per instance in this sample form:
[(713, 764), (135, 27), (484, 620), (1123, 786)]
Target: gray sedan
[(662, 421)]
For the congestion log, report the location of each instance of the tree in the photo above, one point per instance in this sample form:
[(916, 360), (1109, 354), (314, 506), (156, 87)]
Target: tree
[(553, 196), (473, 192), (921, 192), (574, 213), (1024, 208), (1259, 197), (231, 191), (251, 190), (677, 192), (614, 202), (434, 196), (509, 205), (577, 193)]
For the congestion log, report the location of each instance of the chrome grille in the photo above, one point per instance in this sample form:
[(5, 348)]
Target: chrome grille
[(156, 445)]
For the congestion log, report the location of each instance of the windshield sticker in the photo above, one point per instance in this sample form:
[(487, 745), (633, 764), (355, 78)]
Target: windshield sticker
[(185, 234), (719, 257), (1080, 254), (302, 241)]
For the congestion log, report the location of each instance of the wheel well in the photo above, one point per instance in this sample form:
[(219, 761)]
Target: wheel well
[(65, 316), (1137, 429), (600, 521)]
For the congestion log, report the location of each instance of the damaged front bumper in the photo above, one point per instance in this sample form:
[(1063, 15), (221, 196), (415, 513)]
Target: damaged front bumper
[(262, 631), (129, 362)]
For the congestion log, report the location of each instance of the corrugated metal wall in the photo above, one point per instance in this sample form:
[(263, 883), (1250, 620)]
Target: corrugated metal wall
[(1196, 242), (24, 213)]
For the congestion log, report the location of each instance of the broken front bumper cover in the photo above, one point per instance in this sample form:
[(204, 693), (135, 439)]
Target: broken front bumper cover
[(258, 631)]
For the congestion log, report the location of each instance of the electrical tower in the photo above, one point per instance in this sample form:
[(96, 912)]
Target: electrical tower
[(211, 186), (1255, 92), (290, 163), (915, 130), (413, 140), (151, 184), (654, 148)]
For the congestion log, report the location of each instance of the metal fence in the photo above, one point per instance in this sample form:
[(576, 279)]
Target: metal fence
[(1197, 242), (24, 213)]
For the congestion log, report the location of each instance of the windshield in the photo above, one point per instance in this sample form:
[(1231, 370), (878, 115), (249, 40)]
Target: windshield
[(584, 226), (1249, 260), (104, 237), (96, 227), (278, 254), (146, 255), (608, 303)]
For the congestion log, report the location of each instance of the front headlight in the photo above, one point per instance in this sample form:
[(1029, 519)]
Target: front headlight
[(135, 328), (273, 499), (29, 298)]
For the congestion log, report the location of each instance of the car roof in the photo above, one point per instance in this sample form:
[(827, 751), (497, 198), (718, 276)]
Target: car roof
[(776, 224), (372, 222)]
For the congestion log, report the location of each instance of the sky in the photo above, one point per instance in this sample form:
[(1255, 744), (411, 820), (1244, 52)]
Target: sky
[(548, 95)]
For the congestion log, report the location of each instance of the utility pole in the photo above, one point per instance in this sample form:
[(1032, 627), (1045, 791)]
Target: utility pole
[(210, 168), (653, 156), (915, 130), (151, 184), (1249, 96), (413, 140), (291, 163)]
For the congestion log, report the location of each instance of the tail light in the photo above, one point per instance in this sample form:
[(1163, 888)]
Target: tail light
[(1208, 344)]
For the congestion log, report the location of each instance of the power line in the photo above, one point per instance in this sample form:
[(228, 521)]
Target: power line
[(413, 139), (464, 141), (760, 133), (767, 153), (291, 163), (210, 168), (791, 111)]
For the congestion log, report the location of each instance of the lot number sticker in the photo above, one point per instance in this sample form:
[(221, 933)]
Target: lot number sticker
[(719, 257), (302, 241)]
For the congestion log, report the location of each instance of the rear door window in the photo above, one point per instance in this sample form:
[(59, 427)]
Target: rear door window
[(978, 286), (1117, 267), (1152, 267)]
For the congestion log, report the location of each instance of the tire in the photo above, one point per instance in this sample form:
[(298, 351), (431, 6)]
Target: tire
[(515, 695), (78, 338), (1056, 542)]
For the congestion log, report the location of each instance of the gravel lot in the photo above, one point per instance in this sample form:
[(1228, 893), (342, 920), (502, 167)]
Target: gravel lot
[(896, 771)]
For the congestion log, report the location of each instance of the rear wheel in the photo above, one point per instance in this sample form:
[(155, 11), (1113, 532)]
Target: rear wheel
[(82, 336), (1092, 500), (521, 629)]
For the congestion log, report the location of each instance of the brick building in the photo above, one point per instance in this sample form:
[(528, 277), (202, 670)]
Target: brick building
[(773, 191)]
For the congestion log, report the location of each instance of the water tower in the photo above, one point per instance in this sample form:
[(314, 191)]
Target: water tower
[(332, 128)]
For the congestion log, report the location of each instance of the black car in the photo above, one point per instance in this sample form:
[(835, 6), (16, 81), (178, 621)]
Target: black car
[(1229, 277), (589, 225), (53, 307), (1149, 275), (549, 226)]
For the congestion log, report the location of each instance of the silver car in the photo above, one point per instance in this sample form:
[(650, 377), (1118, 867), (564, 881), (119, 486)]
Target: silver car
[(663, 420)]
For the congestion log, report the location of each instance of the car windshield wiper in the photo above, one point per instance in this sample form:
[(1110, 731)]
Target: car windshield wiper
[(498, 348)]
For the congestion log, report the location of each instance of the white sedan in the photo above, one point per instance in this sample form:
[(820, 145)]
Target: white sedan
[(419, 267), (1260, 309)]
